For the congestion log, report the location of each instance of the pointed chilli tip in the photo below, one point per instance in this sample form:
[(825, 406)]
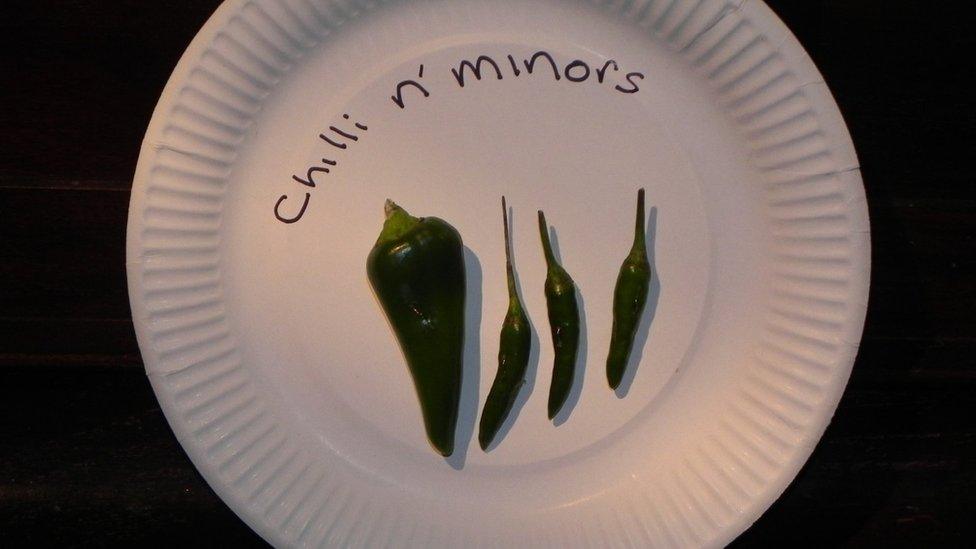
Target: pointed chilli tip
[(389, 207), (444, 451)]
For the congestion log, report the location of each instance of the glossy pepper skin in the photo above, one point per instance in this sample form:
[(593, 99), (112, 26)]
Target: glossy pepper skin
[(564, 323), (513, 354), (416, 269), (629, 299)]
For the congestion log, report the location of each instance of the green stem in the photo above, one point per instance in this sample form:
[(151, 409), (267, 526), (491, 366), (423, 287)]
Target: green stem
[(640, 244), (546, 245), (509, 270), (397, 223)]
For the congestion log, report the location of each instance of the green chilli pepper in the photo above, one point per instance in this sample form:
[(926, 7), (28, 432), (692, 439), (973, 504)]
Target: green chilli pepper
[(629, 298), (513, 354), (564, 323), (416, 269)]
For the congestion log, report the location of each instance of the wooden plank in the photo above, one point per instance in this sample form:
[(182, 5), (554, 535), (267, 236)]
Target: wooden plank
[(68, 342), (62, 254), (86, 77), (88, 459)]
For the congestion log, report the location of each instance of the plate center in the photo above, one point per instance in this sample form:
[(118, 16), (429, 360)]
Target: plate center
[(577, 149)]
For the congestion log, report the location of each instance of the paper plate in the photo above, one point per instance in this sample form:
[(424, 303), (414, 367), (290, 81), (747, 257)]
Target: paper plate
[(278, 372)]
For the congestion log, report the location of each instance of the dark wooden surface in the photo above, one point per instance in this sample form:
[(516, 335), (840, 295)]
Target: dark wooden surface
[(86, 457)]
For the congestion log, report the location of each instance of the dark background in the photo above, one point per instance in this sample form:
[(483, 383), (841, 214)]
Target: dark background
[(87, 458)]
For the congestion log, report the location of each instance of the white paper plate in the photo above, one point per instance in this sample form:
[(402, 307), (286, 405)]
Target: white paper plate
[(279, 374)]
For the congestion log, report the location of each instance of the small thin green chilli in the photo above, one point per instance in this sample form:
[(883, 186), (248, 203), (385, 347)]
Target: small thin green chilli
[(564, 323), (515, 345), (629, 299)]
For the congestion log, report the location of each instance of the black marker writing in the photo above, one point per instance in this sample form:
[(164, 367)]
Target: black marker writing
[(475, 68), (576, 64), (398, 98), (309, 180), (331, 141), (311, 172), (344, 134), (515, 69), (530, 63), (301, 211), (601, 72), (576, 71), (630, 78), (340, 137)]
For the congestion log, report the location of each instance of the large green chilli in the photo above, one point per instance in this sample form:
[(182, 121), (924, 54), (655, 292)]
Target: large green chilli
[(416, 269)]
